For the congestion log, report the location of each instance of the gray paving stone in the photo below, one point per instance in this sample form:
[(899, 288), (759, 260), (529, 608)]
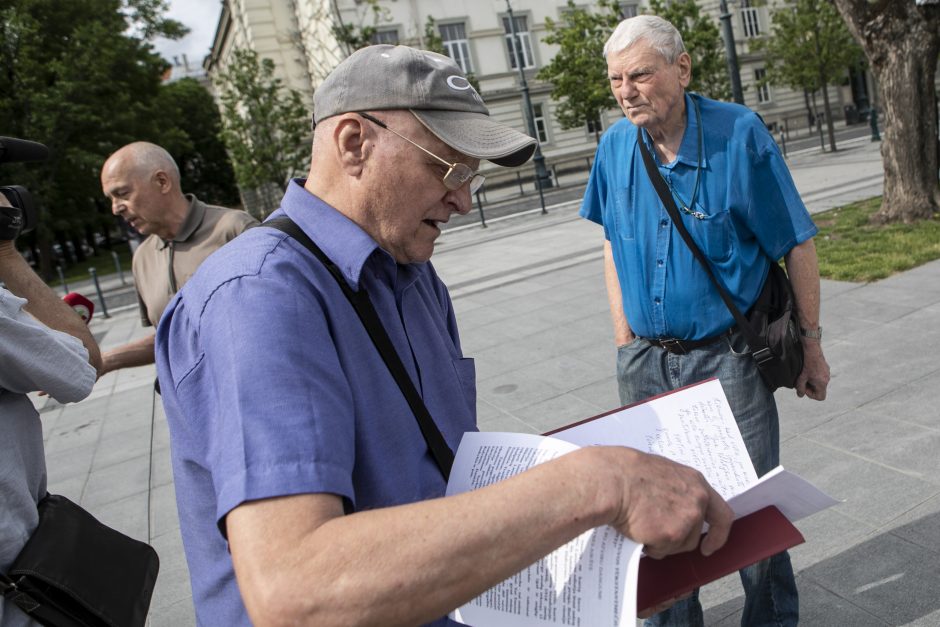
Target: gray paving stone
[(179, 614), (122, 446), (886, 576), (920, 525), (820, 607), (869, 433), (116, 482), (602, 395), (555, 412), (128, 515), (872, 493)]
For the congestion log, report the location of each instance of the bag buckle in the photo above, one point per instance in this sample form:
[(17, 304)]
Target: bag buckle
[(763, 355)]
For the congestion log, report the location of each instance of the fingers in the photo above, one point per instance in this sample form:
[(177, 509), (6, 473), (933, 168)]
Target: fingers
[(666, 505), (719, 517)]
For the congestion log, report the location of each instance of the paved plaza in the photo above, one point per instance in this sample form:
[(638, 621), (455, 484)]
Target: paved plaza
[(532, 309)]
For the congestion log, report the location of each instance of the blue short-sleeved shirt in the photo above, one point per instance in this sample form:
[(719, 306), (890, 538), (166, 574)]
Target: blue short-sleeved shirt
[(272, 386), (750, 213)]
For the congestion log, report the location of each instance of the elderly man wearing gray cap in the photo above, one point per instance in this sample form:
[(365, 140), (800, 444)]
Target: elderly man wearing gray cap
[(308, 491)]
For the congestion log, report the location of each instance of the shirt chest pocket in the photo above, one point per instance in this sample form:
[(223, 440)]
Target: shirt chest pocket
[(625, 212), (712, 233)]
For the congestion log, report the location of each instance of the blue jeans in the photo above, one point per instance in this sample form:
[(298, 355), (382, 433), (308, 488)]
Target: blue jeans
[(644, 370)]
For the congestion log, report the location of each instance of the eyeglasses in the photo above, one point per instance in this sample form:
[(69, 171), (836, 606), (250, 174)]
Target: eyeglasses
[(457, 174)]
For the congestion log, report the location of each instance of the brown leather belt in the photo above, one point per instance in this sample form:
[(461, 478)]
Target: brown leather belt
[(682, 347)]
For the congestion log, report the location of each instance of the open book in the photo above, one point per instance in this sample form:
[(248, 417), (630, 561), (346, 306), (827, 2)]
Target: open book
[(594, 580)]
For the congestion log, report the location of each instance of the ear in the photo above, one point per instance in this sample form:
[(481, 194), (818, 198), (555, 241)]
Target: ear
[(684, 64), (163, 182), (354, 144)]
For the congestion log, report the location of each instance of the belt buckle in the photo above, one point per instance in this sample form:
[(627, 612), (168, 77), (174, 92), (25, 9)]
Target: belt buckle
[(674, 345)]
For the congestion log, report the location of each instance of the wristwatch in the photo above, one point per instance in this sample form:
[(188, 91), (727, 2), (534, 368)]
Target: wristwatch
[(815, 334)]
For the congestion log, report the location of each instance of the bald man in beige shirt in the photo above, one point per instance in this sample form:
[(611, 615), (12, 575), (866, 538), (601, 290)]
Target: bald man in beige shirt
[(143, 183)]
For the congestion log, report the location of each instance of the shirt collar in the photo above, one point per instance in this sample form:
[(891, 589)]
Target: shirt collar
[(341, 239), (688, 149), (192, 221)]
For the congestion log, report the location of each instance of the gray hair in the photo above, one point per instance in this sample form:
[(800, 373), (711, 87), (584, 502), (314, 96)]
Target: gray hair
[(660, 34)]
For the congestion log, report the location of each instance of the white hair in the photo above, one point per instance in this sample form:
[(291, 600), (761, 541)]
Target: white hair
[(660, 34)]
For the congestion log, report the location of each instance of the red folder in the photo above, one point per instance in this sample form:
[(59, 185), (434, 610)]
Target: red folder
[(753, 538)]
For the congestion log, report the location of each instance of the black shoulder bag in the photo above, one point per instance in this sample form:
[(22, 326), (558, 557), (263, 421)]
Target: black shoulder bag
[(77, 572), (443, 456), (770, 327)]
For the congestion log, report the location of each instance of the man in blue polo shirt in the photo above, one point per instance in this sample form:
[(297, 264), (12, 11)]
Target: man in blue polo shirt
[(306, 492), (738, 201)]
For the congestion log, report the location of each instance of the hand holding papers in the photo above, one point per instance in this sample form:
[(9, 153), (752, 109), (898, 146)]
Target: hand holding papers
[(593, 579)]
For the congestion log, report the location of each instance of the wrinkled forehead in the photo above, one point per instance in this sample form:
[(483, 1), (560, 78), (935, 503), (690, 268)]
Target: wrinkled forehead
[(639, 54)]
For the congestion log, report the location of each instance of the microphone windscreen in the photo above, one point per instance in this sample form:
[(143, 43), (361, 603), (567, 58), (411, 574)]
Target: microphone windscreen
[(82, 306), (12, 149)]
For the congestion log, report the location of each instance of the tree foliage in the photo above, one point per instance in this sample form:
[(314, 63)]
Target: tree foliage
[(703, 42), (809, 48), (901, 40), (355, 36), (77, 78), (190, 129), (578, 70), (265, 125)]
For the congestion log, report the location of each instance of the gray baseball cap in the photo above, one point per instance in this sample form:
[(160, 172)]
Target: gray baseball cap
[(433, 88)]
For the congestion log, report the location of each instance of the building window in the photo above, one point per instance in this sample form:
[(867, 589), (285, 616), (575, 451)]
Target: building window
[(523, 46), (389, 36), (539, 118), (750, 19), (628, 9), (763, 90), (454, 37)]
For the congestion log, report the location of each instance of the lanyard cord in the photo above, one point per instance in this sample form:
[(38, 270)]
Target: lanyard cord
[(690, 208)]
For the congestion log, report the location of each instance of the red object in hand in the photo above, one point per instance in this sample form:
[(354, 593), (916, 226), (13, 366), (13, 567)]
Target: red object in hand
[(82, 306)]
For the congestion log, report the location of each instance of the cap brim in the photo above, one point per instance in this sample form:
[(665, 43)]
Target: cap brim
[(478, 135)]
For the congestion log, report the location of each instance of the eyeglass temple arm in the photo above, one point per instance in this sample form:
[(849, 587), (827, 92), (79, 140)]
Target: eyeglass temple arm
[(418, 146)]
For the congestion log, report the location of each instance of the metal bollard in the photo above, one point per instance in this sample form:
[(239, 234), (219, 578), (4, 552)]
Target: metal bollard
[(480, 208), (783, 144), (94, 278), (117, 266), (873, 122), (65, 286), (519, 181)]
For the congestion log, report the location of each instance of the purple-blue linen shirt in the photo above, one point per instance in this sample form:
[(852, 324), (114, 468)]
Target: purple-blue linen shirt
[(272, 386), (749, 213)]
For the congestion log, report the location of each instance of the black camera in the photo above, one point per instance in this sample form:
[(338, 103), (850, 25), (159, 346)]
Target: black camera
[(21, 216)]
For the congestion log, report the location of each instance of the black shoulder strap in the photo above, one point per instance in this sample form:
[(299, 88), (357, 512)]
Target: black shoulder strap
[(442, 454), (657, 180)]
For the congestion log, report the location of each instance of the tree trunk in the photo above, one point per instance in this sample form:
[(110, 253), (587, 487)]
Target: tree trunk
[(828, 109), (901, 41)]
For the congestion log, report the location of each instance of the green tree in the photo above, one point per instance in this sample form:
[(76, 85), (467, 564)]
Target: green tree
[(77, 78), (578, 70), (901, 41), (703, 41), (809, 48), (265, 125), (190, 128), (355, 36)]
